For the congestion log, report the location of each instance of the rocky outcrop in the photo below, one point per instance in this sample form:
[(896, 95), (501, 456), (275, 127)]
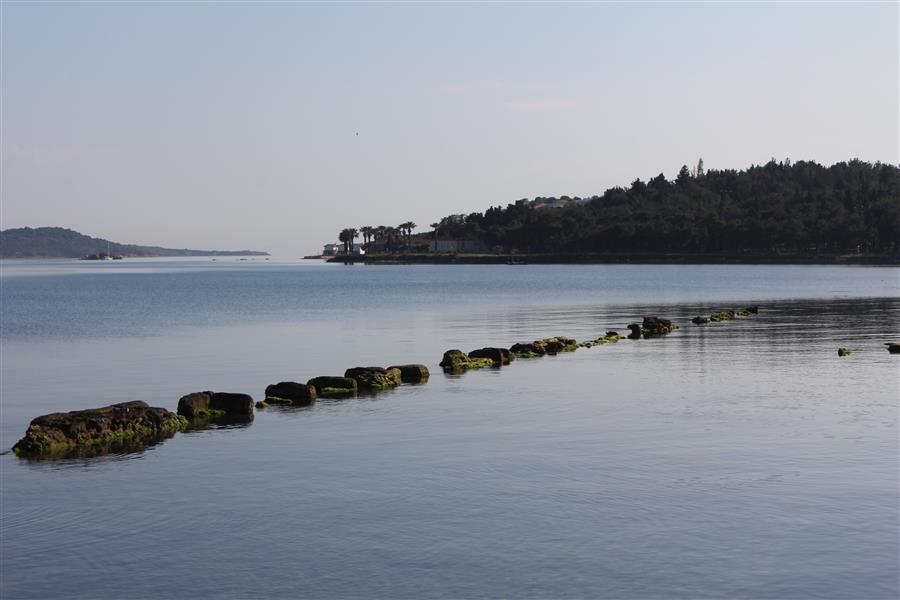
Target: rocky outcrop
[(59, 434), (499, 356), (290, 392), (412, 373), (374, 378), (457, 360), (211, 404), (327, 385)]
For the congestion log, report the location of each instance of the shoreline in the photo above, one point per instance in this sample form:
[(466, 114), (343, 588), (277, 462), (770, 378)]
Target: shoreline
[(639, 259)]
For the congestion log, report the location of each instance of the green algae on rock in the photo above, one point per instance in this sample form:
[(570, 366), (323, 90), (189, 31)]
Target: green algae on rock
[(328, 385), (844, 351), (61, 434), (374, 378), (457, 361)]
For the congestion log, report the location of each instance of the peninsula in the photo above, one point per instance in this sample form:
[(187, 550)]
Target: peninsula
[(57, 242)]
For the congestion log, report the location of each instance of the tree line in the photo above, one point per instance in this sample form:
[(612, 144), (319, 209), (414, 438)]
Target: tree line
[(381, 238), (779, 207)]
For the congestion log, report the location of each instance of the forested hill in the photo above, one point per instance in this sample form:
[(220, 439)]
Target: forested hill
[(56, 242), (777, 208)]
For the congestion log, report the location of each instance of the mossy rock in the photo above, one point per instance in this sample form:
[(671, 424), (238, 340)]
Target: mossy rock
[(412, 373), (456, 361), (499, 356), (844, 351), (206, 404), (337, 391), (700, 320), (724, 315), (262, 404), (374, 378), (290, 392), (528, 350), (333, 383), (58, 434)]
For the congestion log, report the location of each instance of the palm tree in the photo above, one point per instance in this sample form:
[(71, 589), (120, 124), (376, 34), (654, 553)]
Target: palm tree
[(367, 231), (435, 226), (352, 233), (391, 234), (379, 234), (407, 228), (343, 237)]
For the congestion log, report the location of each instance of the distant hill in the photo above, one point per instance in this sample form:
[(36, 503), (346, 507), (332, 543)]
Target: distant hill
[(57, 242)]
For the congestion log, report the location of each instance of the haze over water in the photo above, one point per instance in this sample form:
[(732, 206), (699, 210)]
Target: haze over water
[(737, 459)]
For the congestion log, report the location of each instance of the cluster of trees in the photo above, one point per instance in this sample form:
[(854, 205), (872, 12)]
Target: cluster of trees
[(779, 207), (380, 238)]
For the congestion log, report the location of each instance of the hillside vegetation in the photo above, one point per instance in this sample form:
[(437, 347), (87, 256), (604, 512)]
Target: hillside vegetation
[(777, 208), (57, 242)]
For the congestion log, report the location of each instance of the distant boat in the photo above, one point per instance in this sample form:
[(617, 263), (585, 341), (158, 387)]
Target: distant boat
[(101, 255)]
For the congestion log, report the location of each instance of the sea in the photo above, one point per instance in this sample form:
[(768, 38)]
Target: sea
[(741, 459)]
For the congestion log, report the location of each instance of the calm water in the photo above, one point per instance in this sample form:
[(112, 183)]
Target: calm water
[(737, 460)]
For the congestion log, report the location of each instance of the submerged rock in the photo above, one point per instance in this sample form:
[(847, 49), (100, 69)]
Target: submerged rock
[(327, 385), (59, 434), (206, 404), (412, 373), (700, 320), (844, 351), (290, 392), (499, 356), (374, 378), (611, 337)]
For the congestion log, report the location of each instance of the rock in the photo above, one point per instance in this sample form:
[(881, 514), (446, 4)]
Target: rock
[(455, 361), (374, 378), (290, 392), (558, 344), (725, 315), (613, 334), (333, 386), (844, 351), (657, 326), (205, 404), (262, 404), (700, 320), (893, 347), (412, 373), (231, 404), (499, 356), (752, 310), (57, 434), (529, 350), (635, 331)]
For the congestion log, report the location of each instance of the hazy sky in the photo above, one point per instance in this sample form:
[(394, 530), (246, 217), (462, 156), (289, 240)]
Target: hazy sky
[(235, 125)]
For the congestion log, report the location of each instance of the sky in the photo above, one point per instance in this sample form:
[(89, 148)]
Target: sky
[(271, 126)]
